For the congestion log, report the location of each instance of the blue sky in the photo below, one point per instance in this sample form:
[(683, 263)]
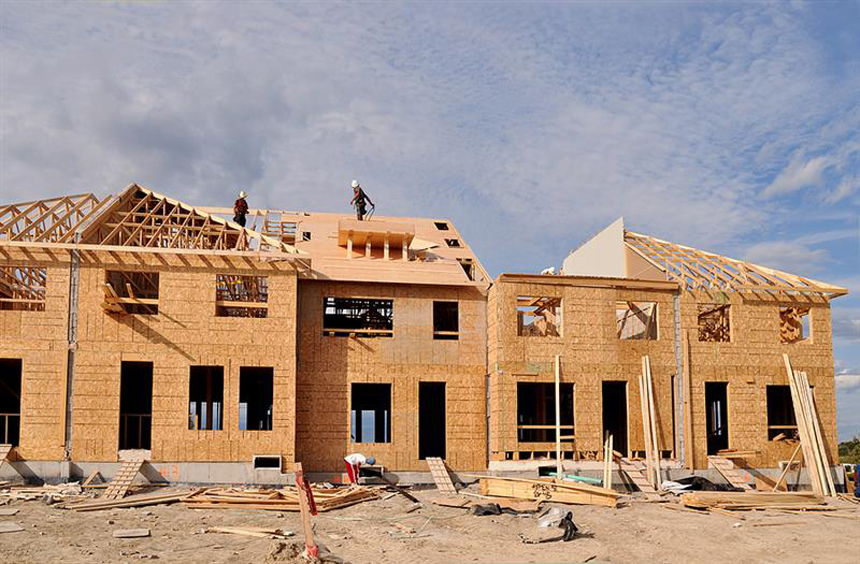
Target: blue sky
[(730, 127)]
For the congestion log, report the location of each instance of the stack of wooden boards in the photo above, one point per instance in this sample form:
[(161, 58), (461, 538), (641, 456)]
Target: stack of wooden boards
[(649, 424), (752, 500), (58, 492), (608, 457), (548, 489), (284, 499), (809, 428)]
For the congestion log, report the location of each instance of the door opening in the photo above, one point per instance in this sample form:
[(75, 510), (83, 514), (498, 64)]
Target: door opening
[(615, 414), (431, 420), (717, 406), (135, 406), (10, 401)]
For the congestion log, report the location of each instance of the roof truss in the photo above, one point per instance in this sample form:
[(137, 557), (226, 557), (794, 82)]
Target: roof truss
[(55, 220), (142, 218), (700, 270)]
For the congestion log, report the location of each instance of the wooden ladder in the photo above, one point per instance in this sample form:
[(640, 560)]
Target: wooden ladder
[(441, 476), (636, 472), (123, 479), (729, 471)]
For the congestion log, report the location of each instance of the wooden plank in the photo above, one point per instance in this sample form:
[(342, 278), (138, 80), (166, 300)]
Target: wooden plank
[(729, 471), (636, 475), (118, 487), (822, 448), (542, 490), (803, 429), (558, 415)]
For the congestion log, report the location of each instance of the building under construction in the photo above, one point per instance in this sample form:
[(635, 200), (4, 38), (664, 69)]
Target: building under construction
[(139, 325)]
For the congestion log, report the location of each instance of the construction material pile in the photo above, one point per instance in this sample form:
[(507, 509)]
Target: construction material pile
[(284, 499), (56, 492), (554, 490), (752, 500)]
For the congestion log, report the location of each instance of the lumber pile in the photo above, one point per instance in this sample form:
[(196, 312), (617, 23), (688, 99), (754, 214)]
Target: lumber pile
[(284, 499), (140, 500), (58, 492), (752, 500), (809, 428), (548, 489), (649, 424)]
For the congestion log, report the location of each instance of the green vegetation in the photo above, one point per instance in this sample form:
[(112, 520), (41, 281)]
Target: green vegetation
[(849, 451)]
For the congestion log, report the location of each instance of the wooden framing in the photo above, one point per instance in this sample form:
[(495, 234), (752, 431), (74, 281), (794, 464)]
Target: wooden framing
[(55, 220), (695, 269)]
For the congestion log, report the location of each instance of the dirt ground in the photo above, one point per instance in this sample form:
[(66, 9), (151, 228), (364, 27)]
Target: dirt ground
[(365, 533)]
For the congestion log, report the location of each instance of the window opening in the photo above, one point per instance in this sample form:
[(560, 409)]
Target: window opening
[(131, 292), (446, 321), (135, 405), (714, 325), (345, 317), (794, 324), (371, 413), (441, 225), (780, 412), (22, 288), (256, 386), (536, 411), (468, 267), (636, 320), (206, 398), (10, 401), (453, 242), (241, 296), (538, 316)]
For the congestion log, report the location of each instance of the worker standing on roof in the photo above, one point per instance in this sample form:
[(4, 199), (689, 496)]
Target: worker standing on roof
[(240, 209), (360, 201), (353, 465)]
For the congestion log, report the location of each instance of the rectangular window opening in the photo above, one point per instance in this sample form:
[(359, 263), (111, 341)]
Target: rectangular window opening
[(356, 317), (636, 321), (266, 461), (371, 413), (536, 412), (453, 242), (10, 401), (468, 267), (206, 398), (135, 405), (794, 326), (538, 316), (441, 225), (131, 292), (446, 321), (241, 296), (714, 323), (22, 288), (256, 389), (780, 412)]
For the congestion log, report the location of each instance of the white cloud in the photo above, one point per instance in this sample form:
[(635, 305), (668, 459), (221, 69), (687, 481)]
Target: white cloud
[(847, 383), (791, 256), (800, 173), (846, 187)]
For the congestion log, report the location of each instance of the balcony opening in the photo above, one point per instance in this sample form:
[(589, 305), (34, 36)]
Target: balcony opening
[(358, 317), (10, 401), (135, 405)]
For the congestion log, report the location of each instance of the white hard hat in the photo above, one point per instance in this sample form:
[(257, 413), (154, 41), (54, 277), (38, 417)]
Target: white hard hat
[(242, 194), (355, 183)]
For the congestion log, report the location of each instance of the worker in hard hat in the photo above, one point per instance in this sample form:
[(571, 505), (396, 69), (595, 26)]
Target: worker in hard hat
[(360, 201), (353, 465), (240, 209)]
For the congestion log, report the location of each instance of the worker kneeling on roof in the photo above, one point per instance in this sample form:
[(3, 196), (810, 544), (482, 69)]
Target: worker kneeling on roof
[(353, 464)]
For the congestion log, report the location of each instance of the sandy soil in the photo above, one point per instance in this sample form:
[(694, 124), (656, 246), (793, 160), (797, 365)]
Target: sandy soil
[(365, 533)]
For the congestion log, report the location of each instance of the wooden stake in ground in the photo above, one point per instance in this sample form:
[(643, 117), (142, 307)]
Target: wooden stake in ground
[(306, 503)]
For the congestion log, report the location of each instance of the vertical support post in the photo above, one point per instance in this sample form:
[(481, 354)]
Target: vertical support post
[(687, 437), (405, 250), (74, 284), (680, 398), (349, 245), (558, 416), (387, 240), (367, 253), (652, 415)]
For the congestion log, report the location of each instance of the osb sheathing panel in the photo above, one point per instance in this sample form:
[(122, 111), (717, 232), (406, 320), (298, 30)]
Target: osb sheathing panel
[(40, 340), (752, 361), (327, 366), (590, 354), (185, 333)]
